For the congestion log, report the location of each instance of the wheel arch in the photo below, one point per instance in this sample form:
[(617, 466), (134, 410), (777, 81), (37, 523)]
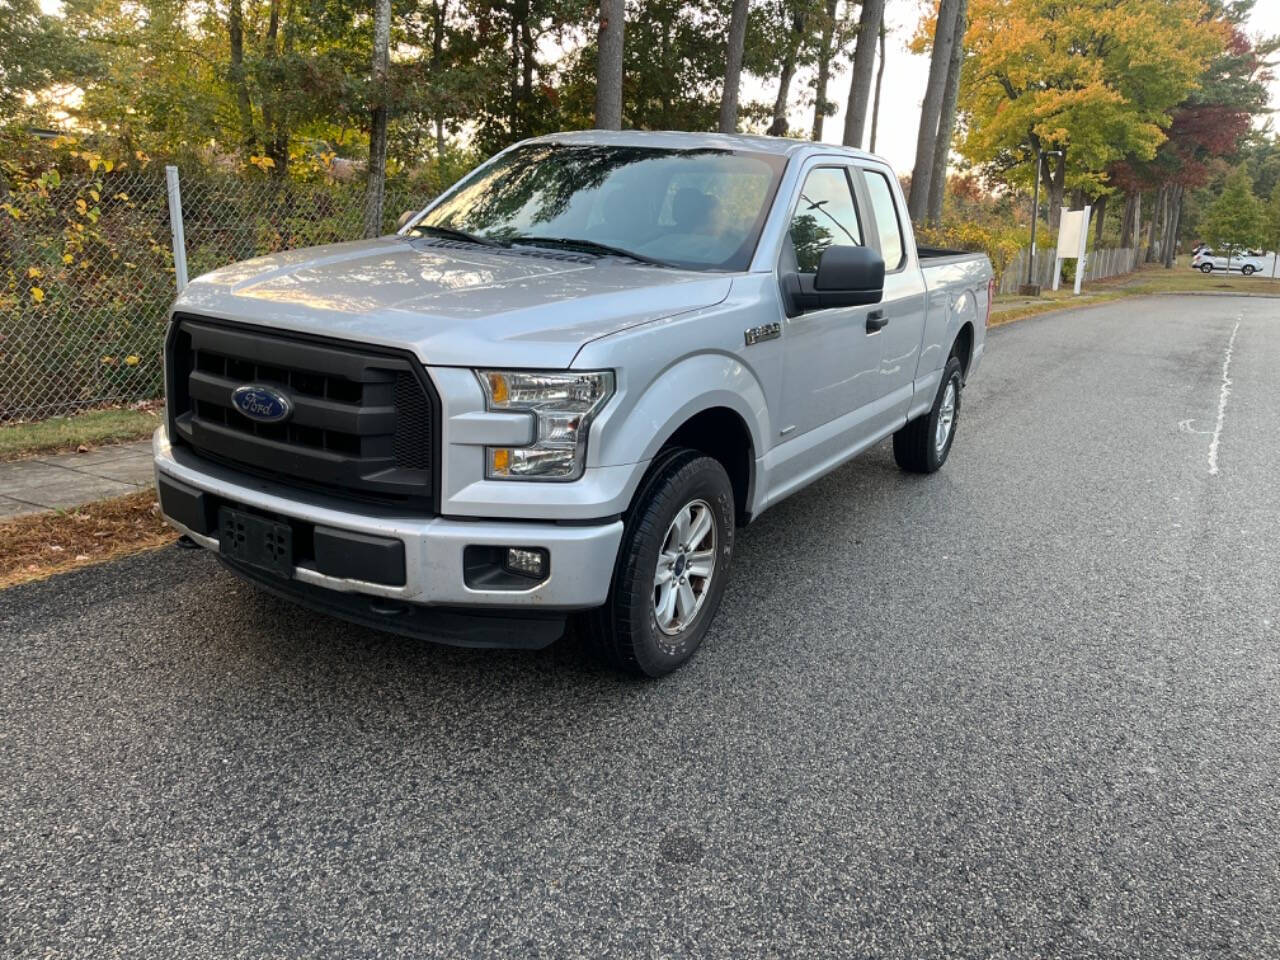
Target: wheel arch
[(962, 346), (722, 434), (710, 402)]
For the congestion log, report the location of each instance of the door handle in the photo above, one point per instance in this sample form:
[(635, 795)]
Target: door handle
[(876, 320)]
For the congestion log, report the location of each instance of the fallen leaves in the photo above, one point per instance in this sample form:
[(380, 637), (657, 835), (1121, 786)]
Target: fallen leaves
[(40, 545)]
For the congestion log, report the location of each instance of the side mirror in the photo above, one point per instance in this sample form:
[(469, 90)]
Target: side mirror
[(847, 277), (405, 218), (857, 273)]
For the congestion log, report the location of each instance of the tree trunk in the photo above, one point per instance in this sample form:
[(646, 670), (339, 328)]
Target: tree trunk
[(1137, 229), (864, 62), (513, 81), (733, 67), (609, 65), (377, 184), (1128, 223), (1057, 190), (665, 58), (1157, 213), (1175, 224), (931, 109), (235, 31), (947, 117), (778, 128), (1099, 214), (270, 102), (875, 109), (528, 61), (280, 135), (439, 12), (820, 104)]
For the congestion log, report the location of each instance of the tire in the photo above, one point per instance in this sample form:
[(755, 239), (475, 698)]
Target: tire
[(1247, 269), (629, 631), (915, 446), (1206, 268)]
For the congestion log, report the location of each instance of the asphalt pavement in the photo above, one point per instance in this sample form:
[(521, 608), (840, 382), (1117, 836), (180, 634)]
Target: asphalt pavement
[(1028, 707)]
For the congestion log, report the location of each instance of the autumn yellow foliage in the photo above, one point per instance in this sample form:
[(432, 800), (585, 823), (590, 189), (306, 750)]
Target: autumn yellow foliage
[(1095, 78)]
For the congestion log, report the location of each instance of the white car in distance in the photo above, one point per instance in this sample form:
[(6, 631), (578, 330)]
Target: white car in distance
[(1206, 261)]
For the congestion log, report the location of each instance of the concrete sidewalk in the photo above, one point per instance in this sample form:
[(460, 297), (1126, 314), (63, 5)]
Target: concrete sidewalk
[(70, 479)]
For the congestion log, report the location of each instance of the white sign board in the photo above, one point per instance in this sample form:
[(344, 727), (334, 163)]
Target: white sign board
[(1073, 237)]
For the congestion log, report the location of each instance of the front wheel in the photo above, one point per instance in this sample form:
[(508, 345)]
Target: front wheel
[(1247, 270), (672, 567), (923, 444)]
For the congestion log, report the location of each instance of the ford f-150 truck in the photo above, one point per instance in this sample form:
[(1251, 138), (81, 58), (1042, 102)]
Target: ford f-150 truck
[(563, 386)]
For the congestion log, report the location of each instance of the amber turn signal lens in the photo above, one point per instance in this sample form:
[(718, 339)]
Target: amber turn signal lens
[(501, 460), (498, 391)]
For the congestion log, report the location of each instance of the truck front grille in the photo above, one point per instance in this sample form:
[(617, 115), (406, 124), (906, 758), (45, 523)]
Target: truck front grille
[(363, 419)]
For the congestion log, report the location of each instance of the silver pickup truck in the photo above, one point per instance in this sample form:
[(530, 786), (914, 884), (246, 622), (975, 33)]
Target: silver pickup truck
[(563, 386)]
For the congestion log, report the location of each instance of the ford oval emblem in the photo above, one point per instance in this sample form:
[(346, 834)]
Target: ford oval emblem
[(262, 403)]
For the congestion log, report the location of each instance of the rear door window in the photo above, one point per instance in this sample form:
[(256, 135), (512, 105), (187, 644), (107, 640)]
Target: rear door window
[(892, 246)]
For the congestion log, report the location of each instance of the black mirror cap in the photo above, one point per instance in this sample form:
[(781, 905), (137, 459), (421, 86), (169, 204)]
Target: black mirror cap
[(850, 269)]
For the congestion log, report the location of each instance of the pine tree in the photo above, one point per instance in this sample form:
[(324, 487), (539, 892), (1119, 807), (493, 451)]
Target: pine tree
[(1236, 221)]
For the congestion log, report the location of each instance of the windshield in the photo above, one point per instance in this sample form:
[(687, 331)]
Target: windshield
[(700, 209)]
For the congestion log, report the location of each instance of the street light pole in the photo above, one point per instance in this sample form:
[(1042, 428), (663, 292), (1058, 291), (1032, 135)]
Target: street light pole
[(1035, 215), (1035, 218)]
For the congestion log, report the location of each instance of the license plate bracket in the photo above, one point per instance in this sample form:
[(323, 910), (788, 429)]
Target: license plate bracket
[(257, 541)]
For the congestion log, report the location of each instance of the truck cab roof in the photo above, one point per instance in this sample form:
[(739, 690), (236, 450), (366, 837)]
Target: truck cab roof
[(682, 140)]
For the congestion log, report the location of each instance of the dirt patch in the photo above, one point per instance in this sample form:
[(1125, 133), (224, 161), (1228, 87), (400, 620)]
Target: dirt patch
[(39, 545)]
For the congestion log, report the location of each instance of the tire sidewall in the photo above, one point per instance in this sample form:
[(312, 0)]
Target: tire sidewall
[(950, 373), (697, 478)]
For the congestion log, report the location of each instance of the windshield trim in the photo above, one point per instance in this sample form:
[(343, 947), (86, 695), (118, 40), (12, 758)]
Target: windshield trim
[(741, 259)]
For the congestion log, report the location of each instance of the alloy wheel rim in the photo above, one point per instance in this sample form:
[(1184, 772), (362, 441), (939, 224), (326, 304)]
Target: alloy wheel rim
[(686, 565), (946, 418)]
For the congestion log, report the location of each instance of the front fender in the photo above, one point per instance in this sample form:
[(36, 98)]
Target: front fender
[(647, 414)]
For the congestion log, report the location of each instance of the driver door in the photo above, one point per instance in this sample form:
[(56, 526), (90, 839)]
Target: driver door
[(832, 362)]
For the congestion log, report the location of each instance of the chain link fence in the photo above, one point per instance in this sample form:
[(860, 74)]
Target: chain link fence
[(87, 271), (87, 275), (228, 219)]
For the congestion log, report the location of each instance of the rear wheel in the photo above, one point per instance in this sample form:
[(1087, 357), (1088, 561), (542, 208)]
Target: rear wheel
[(672, 567), (923, 444), (1206, 268)]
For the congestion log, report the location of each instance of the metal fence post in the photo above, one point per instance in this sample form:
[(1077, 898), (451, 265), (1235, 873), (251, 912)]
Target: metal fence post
[(175, 226)]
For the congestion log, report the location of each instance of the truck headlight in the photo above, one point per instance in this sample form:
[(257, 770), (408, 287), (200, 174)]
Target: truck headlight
[(562, 405)]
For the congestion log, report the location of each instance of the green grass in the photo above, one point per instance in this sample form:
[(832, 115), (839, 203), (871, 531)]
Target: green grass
[(1182, 279), (1149, 280), (63, 434)]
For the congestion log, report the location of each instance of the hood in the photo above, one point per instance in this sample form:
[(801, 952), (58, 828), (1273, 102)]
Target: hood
[(451, 304)]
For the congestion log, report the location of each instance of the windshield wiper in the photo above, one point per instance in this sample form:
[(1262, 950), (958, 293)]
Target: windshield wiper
[(586, 246), (454, 234)]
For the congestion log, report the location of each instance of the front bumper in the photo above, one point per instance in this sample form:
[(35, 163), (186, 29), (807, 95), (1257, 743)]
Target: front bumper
[(581, 555)]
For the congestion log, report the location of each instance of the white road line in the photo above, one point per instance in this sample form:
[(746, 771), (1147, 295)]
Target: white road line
[(1222, 402)]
